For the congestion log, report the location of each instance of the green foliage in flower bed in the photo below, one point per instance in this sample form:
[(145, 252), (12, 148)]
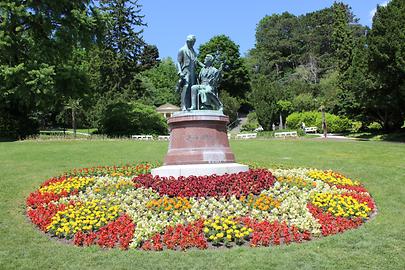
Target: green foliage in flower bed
[(379, 244)]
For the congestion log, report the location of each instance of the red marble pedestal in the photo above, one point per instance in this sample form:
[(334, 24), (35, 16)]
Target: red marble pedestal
[(198, 139)]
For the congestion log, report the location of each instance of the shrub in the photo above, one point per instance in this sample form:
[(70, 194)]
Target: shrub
[(374, 126), (356, 126), (334, 123), (15, 124), (252, 122), (125, 119), (295, 119), (231, 106)]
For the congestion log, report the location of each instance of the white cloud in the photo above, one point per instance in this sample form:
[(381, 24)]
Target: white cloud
[(374, 10)]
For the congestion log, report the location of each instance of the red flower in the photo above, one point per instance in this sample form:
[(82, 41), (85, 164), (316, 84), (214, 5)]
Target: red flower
[(358, 189), (43, 213), (244, 183), (120, 231), (266, 233), (331, 224), (180, 236)]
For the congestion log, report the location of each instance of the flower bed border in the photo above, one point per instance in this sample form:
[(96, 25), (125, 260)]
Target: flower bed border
[(157, 242)]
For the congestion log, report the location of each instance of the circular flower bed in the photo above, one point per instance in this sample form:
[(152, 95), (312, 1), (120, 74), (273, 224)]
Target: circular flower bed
[(128, 208)]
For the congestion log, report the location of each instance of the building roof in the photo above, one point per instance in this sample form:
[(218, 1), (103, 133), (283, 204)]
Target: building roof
[(168, 108)]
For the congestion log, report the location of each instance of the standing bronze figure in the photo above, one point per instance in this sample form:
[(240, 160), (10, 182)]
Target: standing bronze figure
[(186, 68)]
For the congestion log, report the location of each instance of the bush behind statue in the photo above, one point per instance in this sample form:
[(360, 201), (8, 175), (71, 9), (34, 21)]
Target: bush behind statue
[(125, 119), (252, 122), (334, 123)]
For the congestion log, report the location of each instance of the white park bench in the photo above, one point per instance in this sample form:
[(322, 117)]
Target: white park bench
[(142, 137), (163, 138), (61, 132), (286, 134), (311, 129), (245, 136)]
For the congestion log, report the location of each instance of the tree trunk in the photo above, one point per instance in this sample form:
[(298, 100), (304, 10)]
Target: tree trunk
[(324, 126), (281, 122), (74, 121)]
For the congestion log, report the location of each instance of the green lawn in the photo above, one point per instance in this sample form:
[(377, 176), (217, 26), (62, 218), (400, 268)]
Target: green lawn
[(379, 244)]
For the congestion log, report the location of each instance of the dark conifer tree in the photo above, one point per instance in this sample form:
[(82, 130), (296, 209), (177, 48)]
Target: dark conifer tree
[(122, 44)]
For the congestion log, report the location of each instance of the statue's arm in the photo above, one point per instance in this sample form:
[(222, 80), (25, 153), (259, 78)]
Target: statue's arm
[(199, 79), (200, 63), (180, 60), (217, 78), (218, 74), (221, 68)]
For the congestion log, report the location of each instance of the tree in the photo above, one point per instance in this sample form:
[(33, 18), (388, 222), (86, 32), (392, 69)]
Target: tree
[(74, 106), (386, 43), (264, 98), (149, 57), (37, 38), (231, 106), (284, 107), (330, 92), (235, 75), (307, 60), (304, 102), (122, 44), (158, 84), (120, 118), (290, 58), (354, 86), (341, 35), (276, 45)]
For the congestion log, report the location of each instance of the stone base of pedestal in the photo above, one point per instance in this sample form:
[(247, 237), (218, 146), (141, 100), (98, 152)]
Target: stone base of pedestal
[(198, 137), (199, 169)]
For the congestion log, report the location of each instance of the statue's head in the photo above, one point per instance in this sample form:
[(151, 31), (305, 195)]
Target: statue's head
[(208, 59), (190, 40)]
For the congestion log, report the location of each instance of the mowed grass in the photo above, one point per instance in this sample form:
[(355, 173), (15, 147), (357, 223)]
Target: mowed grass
[(379, 244)]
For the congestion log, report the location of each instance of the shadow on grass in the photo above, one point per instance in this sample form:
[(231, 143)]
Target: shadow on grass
[(398, 136), (7, 140)]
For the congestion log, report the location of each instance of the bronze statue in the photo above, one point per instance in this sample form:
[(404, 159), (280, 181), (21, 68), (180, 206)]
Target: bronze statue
[(207, 88), (186, 68)]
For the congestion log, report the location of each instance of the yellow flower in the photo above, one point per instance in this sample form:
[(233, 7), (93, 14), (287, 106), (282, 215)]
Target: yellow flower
[(340, 205)]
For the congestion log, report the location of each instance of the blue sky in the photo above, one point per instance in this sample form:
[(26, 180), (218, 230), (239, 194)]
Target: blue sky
[(169, 22)]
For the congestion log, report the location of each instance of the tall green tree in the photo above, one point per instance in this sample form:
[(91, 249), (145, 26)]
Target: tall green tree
[(287, 60), (157, 84), (264, 98), (37, 39), (149, 57), (235, 78), (314, 35), (341, 35), (122, 43), (386, 44), (277, 46)]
